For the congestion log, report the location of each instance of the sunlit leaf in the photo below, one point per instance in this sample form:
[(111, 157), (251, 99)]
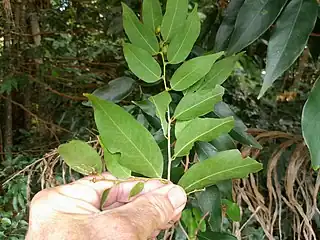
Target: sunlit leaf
[(161, 102), (289, 39), (104, 198), (182, 43), (311, 124), (152, 14), (113, 165), (138, 34), (81, 157), (141, 63), (192, 71), (200, 129), (121, 133), (198, 103), (233, 210), (174, 18), (253, 19), (224, 165), (136, 189)]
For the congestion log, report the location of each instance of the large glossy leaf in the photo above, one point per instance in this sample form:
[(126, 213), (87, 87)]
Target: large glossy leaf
[(227, 25), (81, 157), (182, 43), (113, 165), (289, 39), (199, 103), (215, 235), (238, 133), (116, 90), (192, 71), (200, 129), (174, 18), (311, 124), (254, 18), (152, 14), (141, 63), (161, 102), (121, 133), (224, 165), (138, 34), (210, 202)]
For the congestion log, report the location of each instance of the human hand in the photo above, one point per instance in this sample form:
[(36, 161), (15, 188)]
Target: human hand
[(72, 211)]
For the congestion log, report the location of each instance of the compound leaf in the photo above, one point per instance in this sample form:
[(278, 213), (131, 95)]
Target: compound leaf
[(224, 165), (81, 157), (121, 133), (141, 63), (200, 129)]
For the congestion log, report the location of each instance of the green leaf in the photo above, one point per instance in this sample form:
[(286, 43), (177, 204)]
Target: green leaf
[(136, 189), (200, 129), (310, 123), (161, 102), (233, 210), (210, 202), (174, 18), (224, 142), (141, 63), (289, 39), (254, 18), (115, 91), (81, 157), (152, 14), (138, 34), (227, 25), (224, 165), (198, 103), (189, 221), (216, 235), (219, 72), (192, 71), (205, 150), (121, 133), (104, 197), (181, 45), (238, 133), (113, 165)]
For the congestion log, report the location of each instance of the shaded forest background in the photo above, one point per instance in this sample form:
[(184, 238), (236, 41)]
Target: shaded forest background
[(51, 52)]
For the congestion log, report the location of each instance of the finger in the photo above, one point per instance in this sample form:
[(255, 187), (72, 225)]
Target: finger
[(152, 211)]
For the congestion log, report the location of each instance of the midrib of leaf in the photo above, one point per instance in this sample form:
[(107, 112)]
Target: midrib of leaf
[(293, 25), (141, 35), (199, 136), (114, 123), (143, 63), (243, 33), (218, 173), (185, 77), (174, 16), (184, 39), (197, 104)]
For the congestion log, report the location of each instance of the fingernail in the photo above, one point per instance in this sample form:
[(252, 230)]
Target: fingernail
[(177, 196)]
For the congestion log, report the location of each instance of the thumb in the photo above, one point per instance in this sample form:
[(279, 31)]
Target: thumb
[(154, 210)]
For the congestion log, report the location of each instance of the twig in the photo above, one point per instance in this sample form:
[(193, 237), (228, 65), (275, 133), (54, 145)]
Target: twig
[(187, 163), (183, 230), (249, 219), (201, 220)]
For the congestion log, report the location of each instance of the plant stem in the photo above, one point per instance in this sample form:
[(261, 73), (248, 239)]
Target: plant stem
[(164, 71), (169, 145)]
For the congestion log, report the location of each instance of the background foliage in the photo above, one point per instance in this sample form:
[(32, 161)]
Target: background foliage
[(53, 51)]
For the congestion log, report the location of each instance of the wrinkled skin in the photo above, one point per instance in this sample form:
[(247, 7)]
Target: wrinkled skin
[(73, 212)]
